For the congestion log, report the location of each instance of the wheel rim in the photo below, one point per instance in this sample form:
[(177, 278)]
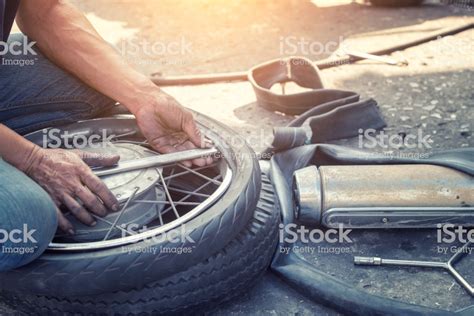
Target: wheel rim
[(182, 203)]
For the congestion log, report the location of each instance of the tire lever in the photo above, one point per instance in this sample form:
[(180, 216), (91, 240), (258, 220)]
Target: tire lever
[(155, 161)]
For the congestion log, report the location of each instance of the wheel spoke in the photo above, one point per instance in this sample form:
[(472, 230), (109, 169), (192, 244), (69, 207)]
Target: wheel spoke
[(168, 194), (189, 195), (110, 223), (99, 219), (166, 202), (160, 217), (216, 182), (125, 134), (188, 192), (171, 173), (128, 142), (181, 192), (187, 172), (114, 225)]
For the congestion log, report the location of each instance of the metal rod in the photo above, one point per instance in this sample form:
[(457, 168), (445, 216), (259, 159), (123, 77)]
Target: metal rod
[(188, 192), (376, 261), (217, 182), (461, 280), (156, 161), (125, 134), (168, 181), (166, 202), (159, 80), (121, 213), (172, 176), (363, 55), (189, 195), (459, 253), (414, 263), (168, 195), (110, 223), (160, 217)]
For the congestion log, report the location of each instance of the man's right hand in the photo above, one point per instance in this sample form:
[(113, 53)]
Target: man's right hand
[(67, 177)]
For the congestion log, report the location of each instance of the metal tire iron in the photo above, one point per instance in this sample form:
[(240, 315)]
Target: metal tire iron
[(448, 265), (387, 196), (155, 161), (135, 176)]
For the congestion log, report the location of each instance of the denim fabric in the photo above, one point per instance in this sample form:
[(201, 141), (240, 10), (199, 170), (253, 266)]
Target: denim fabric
[(28, 218), (35, 93)]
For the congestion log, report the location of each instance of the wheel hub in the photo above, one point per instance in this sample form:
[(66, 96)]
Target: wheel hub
[(153, 201), (139, 185)]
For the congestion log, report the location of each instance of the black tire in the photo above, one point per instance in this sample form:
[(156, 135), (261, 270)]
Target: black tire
[(396, 3), (96, 272), (219, 278)]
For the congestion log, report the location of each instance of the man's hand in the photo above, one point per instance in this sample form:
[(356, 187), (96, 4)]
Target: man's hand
[(169, 127), (66, 176), (165, 123)]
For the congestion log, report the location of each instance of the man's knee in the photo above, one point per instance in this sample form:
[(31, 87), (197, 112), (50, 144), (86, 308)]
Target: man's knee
[(28, 219)]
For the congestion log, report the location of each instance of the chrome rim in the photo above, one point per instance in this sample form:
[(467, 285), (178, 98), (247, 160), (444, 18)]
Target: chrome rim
[(182, 202)]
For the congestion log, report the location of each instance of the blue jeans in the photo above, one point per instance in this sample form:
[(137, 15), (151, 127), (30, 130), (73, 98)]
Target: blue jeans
[(28, 218), (34, 94)]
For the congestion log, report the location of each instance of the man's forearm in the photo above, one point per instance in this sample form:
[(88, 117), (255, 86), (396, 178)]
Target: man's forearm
[(65, 35), (15, 149)]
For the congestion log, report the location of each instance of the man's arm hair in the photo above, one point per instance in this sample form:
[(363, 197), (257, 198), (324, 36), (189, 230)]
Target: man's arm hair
[(67, 38)]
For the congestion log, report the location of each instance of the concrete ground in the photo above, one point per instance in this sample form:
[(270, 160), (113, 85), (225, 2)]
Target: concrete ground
[(432, 92)]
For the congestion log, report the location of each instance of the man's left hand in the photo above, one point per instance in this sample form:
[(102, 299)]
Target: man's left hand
[(169, 127)]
